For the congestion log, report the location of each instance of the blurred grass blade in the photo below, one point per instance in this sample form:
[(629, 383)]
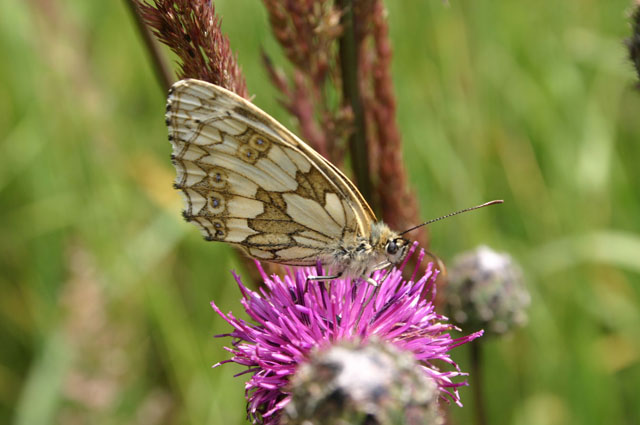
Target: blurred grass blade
[(613, 248), (42, 391)]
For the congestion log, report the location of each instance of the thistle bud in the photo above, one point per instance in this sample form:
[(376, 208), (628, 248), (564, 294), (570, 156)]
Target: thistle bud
[(486, 291)]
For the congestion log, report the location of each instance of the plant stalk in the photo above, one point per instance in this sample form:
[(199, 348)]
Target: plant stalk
[(348, 51), (161, 68), (477, 385)]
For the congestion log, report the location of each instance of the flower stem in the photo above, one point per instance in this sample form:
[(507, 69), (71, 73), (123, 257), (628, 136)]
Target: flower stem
[(163, 71), (349, 68), (476, 373)]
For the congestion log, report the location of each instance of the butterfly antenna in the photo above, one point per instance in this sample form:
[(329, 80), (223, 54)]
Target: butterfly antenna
[(486, 204)]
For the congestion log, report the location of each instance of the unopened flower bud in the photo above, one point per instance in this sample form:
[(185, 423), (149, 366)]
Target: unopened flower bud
[(486, 291)]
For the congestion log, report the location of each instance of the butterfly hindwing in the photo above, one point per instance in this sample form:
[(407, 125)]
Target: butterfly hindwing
[(249, 181)]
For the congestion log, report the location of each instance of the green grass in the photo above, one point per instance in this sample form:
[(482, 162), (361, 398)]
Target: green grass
[(105, 313)]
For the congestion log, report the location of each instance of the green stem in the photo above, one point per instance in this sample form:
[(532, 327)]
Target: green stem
[(477, 384), (351, 91)]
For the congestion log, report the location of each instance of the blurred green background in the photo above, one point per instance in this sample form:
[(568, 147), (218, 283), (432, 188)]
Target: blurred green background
[(105, 315)]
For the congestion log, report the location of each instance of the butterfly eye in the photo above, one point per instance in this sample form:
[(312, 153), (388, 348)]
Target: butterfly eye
[(392, 247)]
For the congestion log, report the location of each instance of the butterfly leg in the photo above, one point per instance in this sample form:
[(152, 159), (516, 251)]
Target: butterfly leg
[(380, 266), (312, 278), (371, 282)]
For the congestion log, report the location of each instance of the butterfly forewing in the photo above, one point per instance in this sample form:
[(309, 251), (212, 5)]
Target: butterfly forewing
[(249, 181)]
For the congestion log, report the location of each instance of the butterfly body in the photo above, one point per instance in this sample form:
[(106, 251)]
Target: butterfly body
[(248, 181), (365, 254)]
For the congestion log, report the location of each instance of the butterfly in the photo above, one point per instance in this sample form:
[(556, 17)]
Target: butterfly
[(249, 181)]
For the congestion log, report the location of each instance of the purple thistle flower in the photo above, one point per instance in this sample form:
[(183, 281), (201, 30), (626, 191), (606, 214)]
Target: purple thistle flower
[(292, 317)]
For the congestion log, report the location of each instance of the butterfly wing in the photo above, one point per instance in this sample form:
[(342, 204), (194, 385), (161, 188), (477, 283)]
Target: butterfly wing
[(249, 181)]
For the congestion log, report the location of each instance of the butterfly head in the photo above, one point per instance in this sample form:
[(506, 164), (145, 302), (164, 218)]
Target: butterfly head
[(395, 249), (388, 243)]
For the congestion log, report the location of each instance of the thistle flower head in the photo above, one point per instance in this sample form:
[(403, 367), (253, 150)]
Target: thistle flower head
[(291, 317)]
